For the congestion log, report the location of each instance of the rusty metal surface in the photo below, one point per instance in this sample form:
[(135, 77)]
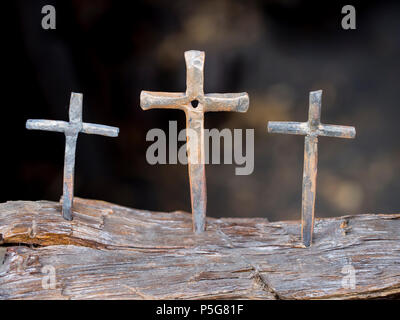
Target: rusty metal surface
[(238, 102), (71, 130), (311, 129)]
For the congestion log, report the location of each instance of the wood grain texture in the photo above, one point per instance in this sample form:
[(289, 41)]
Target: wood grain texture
[(113, 252)]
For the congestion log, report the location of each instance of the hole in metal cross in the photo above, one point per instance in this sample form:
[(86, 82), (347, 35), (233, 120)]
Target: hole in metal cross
[(194, 103)]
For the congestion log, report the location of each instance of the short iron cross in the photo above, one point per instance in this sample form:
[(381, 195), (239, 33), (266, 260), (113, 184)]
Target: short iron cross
[(195, 103), (71, 130), (311, 129)]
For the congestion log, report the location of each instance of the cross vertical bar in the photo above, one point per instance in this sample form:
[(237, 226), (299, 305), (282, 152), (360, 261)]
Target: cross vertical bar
[(69, 167), (194, 74), (71, 136), (310, 168), (197, 171), (75, 107), (195, 138), (309, 188), (314, 111)]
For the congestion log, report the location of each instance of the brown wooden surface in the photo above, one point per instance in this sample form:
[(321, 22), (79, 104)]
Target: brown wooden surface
[(113, 252)]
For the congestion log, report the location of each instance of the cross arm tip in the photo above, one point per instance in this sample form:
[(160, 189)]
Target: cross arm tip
[(274, 126), (316, 93), (167, 100), (194, 54), (243, 102), (29, 124), (148, 99), (143, 100), (315, 102), (269, 127), (77, 95), (353, 132), (114, 132)]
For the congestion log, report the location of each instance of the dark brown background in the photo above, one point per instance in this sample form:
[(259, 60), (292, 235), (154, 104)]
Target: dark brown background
[(277, 51)]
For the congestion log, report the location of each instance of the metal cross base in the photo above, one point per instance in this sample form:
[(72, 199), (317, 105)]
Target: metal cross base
[(71, 130), (311, 129)]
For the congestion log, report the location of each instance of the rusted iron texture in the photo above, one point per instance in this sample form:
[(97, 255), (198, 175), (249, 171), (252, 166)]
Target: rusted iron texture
[(311, 129), (195, 103), (71, 130)]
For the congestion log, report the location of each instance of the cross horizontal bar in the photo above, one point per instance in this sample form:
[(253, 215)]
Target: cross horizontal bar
[(92, 128), (288, 127), (47, 125), (336, 131), (160, 100), (302, 128), (238, 102)]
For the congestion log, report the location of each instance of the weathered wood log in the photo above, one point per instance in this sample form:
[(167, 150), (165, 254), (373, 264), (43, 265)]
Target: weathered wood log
[(113, 252)]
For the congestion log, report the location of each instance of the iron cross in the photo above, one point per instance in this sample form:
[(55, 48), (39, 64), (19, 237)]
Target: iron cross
[(195, 103), (71, 130), (311, 129)]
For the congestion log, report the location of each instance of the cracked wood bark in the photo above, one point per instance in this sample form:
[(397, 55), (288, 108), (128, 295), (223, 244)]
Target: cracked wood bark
[(113, 252)]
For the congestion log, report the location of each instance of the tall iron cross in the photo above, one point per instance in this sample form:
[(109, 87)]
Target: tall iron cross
[(311, 129), (71, 130), (195, 103)]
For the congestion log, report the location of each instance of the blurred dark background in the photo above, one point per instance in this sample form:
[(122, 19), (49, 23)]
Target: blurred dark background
[(277, 51)]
